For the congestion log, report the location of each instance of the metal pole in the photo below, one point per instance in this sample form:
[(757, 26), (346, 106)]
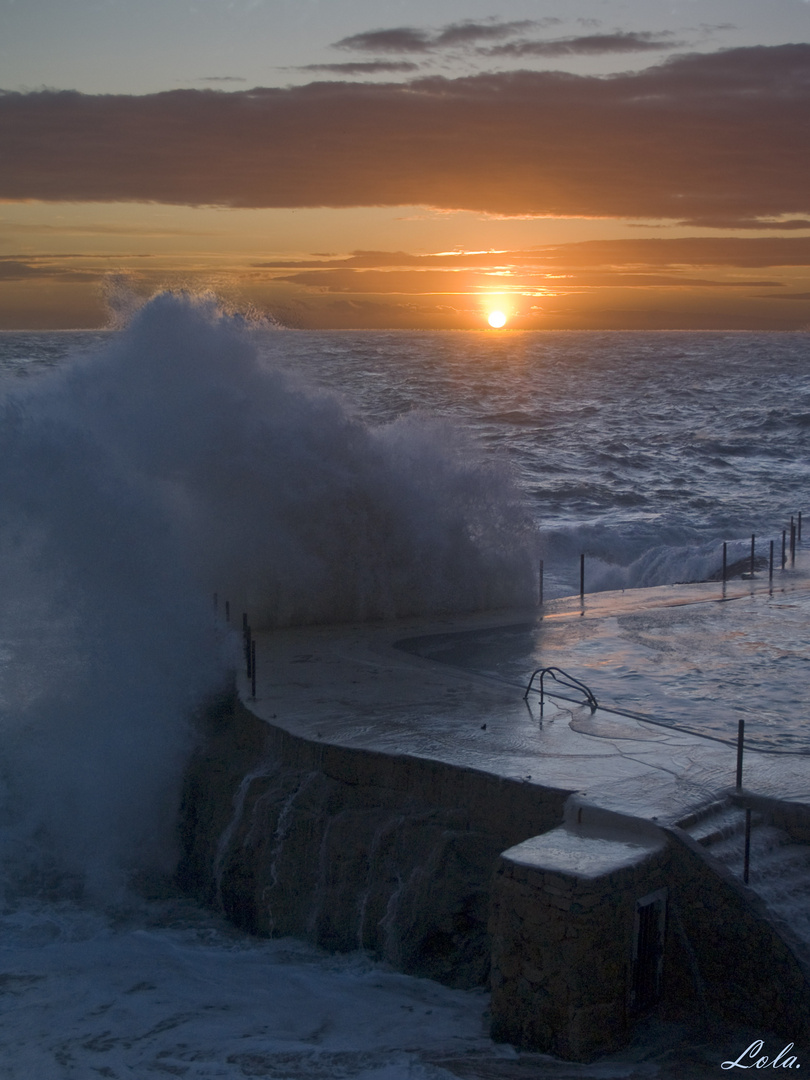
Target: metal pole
[(582, 575), (783, 549), (540, 600), (740, 740), (753, 548), (253, 669), (770, 563), (725, 560), (747, 856)]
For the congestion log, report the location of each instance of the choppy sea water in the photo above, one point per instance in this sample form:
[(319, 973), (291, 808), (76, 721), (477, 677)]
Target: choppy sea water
[(139, 471), (644, 450)]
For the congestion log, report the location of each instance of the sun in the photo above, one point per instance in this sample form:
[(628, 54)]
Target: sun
[(496, 319)]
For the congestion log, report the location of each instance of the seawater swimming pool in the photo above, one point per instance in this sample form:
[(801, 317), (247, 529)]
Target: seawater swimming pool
[(697, 658)]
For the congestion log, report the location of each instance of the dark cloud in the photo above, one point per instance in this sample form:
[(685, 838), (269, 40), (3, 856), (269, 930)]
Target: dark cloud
[(587, 45), (700, 137), (397, 39), (655, 254), (468, 32), (359, 67), (453, 35), (15, 270), (719, 222), (222, 79), (742, 252), (18, 270), (613, 262), (436, 282)]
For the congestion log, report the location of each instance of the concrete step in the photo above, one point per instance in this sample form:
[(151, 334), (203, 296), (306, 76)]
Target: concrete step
[(723, 821), (702, 812), (779, 872)]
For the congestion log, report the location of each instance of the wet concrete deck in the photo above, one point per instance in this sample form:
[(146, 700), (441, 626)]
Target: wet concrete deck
[(352, 686)]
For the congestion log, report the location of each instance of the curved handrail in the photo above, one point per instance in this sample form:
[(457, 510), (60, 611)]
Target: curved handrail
[(562, 677)]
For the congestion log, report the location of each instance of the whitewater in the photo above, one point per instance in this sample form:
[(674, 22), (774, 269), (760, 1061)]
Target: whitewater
[(307, 477)]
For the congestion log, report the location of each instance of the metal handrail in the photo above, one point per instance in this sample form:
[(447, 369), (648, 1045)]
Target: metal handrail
[(562, 677)]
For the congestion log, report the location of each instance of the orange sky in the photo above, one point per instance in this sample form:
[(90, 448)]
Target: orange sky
[(672, 197)]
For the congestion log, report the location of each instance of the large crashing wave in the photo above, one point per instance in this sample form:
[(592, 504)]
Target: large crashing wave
[(169, 465)]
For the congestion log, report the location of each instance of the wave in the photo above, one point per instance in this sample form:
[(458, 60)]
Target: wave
[(138, 479)]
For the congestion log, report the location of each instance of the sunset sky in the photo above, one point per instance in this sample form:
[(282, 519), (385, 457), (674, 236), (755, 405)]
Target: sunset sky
[(609, 164)]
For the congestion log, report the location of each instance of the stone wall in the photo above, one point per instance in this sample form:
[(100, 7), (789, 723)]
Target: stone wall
[(562, 953), (351, 848), (562, 960)]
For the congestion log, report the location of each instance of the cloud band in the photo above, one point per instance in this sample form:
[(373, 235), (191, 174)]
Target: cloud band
[(710, 137)]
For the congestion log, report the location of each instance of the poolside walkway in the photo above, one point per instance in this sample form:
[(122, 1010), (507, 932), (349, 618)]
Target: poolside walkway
[(352, 686)]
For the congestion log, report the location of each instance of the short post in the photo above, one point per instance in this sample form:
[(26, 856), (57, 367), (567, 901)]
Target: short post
[(582, 575), (753, 548), (784, 558), (253, 669), (725, 559), (540, 591), (747, 853), (740, 740), (770, 563)]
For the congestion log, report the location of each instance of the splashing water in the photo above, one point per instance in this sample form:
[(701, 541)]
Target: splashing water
[(140, 478)]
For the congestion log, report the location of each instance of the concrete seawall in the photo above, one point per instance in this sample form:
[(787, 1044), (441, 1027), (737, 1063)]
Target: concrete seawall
[(372, 799), (354, 848)]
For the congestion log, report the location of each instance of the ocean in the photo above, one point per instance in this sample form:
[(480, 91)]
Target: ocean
[(306, 477)]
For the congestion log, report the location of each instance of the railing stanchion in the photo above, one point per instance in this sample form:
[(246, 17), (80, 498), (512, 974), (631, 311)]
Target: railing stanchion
[(740, 741), (725, 559), (582, 575), (770, 563), (753, 549)]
